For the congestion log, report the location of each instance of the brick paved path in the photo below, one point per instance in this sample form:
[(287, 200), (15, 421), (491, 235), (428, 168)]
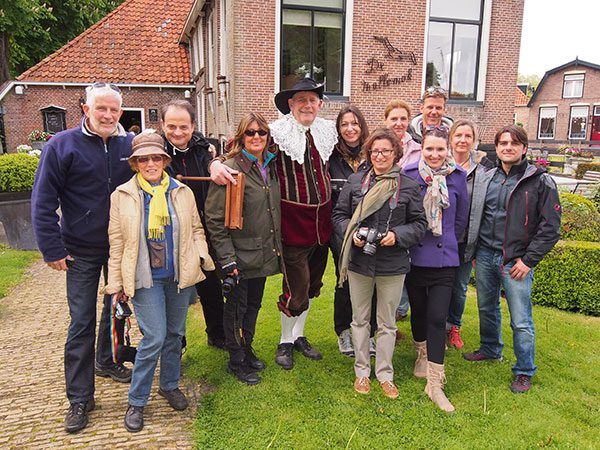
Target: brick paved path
[(33, 327)]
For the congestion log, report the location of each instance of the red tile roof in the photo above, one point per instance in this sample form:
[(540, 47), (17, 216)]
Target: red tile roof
[(520, 98), (137, 43)]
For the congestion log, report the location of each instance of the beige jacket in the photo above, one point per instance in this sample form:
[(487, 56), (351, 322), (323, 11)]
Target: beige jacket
[(124, 237)]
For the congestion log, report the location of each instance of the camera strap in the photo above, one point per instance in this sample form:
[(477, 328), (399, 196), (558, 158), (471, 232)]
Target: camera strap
[(393, 201), (114, 336)]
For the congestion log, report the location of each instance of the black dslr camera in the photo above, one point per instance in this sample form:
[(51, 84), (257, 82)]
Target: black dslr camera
[(371, 237), (230, 282), (122, 310)]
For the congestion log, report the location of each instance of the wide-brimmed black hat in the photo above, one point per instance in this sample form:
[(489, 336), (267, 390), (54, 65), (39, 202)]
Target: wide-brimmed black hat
[(305, 84)]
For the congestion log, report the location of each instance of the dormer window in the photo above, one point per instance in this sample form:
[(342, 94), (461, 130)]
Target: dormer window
[(573, 86)]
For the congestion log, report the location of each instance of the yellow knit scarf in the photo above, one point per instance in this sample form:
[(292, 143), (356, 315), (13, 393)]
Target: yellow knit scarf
[(158, 214)]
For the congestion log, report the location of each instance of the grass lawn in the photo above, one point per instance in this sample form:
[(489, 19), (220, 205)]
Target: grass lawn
[(12, 265), (314, 405)]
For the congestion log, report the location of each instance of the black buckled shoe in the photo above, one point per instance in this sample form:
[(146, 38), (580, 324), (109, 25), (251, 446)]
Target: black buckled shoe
[(176, 398), (134, 418), (77, 416), (303, 346), (243, 373), (284, 355), (117, 372), (252, 361)]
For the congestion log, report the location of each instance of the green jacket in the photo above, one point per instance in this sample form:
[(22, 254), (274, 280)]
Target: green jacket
[(256, 248)]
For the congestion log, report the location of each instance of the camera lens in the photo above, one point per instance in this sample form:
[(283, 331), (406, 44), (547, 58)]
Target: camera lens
[(369, 249)]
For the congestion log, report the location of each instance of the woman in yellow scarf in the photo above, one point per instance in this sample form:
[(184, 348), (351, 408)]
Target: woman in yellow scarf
[(157, 247)]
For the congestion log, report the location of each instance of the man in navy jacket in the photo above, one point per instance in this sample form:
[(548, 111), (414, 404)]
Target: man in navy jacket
[(79, 169)]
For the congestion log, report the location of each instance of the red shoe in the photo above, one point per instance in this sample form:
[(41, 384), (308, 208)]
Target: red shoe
[(454, 339)]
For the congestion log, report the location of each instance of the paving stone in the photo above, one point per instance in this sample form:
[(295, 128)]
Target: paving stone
[(33, 329)]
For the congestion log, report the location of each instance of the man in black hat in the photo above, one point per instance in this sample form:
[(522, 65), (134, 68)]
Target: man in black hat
[(305, 143)]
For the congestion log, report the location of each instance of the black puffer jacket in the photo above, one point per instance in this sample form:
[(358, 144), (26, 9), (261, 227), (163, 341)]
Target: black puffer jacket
[(407, 221)]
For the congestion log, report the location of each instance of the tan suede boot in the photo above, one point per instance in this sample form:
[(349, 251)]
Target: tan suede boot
[(421, 361), (436, 378)]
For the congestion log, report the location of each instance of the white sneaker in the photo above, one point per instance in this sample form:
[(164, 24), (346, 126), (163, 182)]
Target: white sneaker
[(372, 348), (345, 343)]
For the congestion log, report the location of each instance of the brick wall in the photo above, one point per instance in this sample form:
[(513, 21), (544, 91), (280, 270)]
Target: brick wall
[(550, 93), (22, 112)]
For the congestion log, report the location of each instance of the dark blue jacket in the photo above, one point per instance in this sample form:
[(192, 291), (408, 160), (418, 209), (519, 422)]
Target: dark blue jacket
[(77, 172), (442, 251)]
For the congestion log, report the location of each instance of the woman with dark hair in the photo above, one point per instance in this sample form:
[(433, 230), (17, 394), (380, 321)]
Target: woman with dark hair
[(247, 256), (463, 137), (380, 214), (347, 158), (435, 258)]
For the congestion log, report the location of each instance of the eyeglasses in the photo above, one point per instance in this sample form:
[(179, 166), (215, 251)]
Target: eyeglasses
[(99, 85), (146, 159), (251, 132), (384, 153)]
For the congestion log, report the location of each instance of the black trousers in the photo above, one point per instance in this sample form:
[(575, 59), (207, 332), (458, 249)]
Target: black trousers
[(429, 293), (342, 306), (211, 298), (239, 316)]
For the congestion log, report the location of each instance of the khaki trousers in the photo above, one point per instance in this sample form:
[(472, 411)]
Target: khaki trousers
[(389, 289)]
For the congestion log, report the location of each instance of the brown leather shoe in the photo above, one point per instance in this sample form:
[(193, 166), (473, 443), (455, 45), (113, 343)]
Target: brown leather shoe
[(389, 389), (362, 385)]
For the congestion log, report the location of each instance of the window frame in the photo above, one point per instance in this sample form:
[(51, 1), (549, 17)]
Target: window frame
[(481, 25), (564, 85), (312, 9), (539, 134), (587, 107)]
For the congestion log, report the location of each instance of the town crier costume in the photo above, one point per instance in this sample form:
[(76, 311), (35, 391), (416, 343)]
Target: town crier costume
[(305, 143)]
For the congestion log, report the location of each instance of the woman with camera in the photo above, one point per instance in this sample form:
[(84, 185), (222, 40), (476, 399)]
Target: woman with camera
[(157, 249), (380, 214), (443, 188), (249, 255)]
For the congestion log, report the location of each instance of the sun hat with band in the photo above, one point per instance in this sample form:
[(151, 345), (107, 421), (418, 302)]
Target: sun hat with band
[(148, 143), (304, 85)]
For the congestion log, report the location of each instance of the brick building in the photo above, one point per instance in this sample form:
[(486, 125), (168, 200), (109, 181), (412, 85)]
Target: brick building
[(136, 47), (366, 53), (521, 115), (565, 108)]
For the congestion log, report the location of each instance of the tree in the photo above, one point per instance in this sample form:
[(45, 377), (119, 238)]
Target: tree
[(531, 80), (30, 30)]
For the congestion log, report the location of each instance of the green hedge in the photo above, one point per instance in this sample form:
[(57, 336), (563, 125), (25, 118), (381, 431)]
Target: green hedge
[(568, 278), (583, 168), (17, 171), (580, 219)]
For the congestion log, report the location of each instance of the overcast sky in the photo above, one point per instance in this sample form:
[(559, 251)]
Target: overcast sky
[(556, 31)]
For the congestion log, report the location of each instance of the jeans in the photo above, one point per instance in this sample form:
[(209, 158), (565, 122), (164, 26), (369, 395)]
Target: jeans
[(160, 312), (459, 295), (404, 303), (83, 277), (491, 275)]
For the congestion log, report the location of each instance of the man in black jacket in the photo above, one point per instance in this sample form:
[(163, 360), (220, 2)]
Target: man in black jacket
[(191, 153), (519, 225)]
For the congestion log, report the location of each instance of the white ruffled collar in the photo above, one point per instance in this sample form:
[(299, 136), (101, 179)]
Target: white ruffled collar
[(290, 136)]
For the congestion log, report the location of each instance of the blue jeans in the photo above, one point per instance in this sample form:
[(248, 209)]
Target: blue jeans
[(160, 312), (404, 304), (459, 295), (83, 277), (490, 276)]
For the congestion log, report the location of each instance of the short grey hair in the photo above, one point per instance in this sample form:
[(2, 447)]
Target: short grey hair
[(92, 93)]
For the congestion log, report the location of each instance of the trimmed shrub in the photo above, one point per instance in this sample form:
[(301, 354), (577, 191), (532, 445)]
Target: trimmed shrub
[(567, 278), (17, 171), (583, 168), (580, 219)]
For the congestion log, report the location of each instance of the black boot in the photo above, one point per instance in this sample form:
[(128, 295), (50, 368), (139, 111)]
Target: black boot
[(252, 361), (243, 372), (134, 418)]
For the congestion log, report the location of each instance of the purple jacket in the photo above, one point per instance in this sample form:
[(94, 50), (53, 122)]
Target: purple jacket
[(442, 251)]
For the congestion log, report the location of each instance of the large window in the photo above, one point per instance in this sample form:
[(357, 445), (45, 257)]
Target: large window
[(312, 34), (453, 46), (573, 86), (547, 123), (578, 123)]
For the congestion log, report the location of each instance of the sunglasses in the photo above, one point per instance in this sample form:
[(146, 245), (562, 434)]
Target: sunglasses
[(251, 132), (146, 159), (384, 153), (99, 85), (435, 90)]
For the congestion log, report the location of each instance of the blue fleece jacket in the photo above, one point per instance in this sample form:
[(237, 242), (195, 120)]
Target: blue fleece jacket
[(77, 172)]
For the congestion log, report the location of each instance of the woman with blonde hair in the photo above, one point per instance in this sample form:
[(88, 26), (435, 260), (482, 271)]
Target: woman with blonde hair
[(247, 256)]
